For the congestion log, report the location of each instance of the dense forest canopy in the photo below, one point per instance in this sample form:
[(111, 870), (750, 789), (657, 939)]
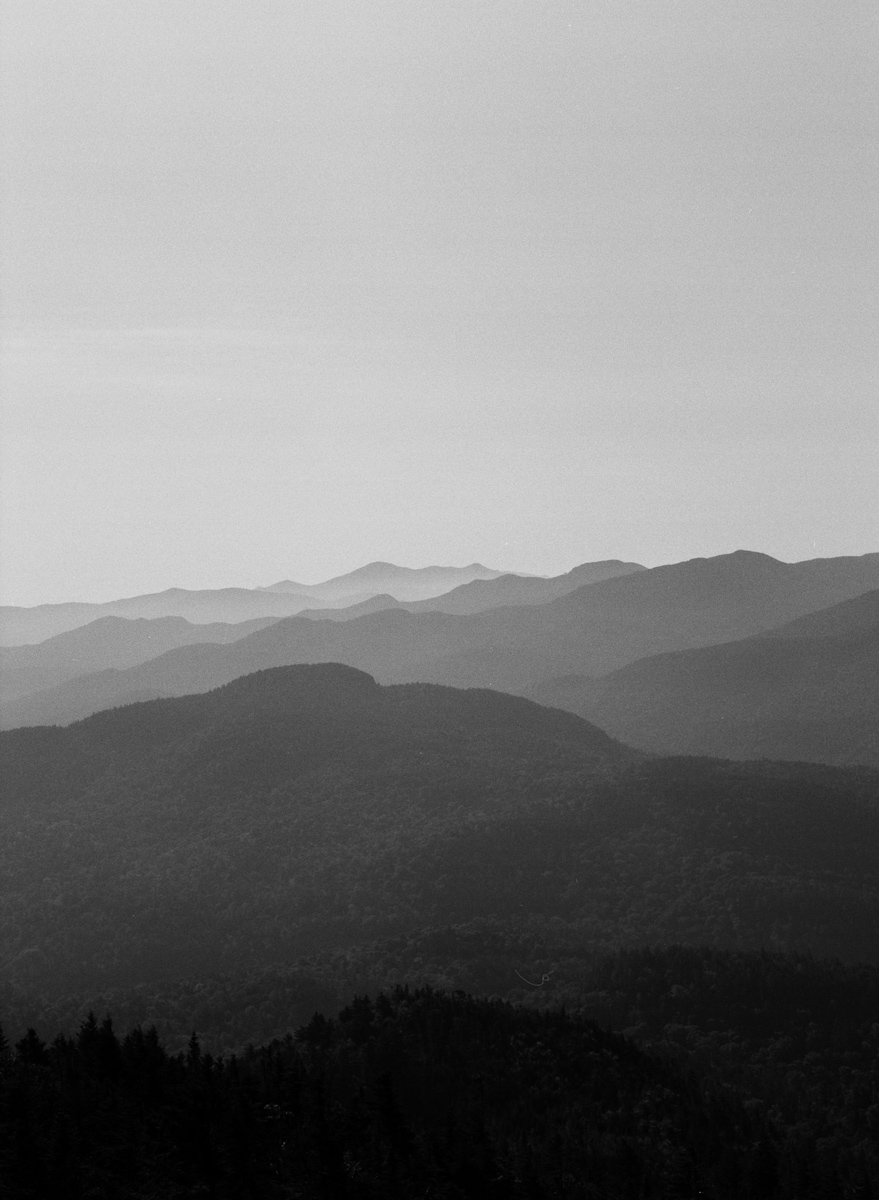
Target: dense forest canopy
[(416, 1092)]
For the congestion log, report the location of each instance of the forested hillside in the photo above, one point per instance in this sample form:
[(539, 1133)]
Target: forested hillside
[(755, 1078), (415, 1093), (307, 807)]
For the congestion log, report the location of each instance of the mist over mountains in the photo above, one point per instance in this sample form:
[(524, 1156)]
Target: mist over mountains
[(404, 583), (106, 642), (20, 626), (524, 645)]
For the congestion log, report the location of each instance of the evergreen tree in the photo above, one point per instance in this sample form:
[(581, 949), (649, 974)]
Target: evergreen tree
[(31, 1049)]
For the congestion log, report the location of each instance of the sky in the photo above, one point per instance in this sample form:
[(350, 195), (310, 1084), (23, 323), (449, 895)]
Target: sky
[(294, 285)]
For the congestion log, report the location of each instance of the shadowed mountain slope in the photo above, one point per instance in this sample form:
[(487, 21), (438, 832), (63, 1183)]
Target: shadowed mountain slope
[(794, 693), (594, 630), (304, 808), (839, 620), (108, 642)]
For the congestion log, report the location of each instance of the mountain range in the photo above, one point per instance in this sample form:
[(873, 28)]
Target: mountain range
[(481, 594), (107, 642), (595, 630), (25, 626), (404, 583), (515, 590)]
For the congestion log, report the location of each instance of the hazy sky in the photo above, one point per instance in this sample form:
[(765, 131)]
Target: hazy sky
[(289, 286)]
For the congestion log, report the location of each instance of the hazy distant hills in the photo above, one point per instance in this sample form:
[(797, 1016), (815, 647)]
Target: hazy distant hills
[(481, 594), (517, 589), (808, 691), (105, 643), (352, 611), (25, 626), (593, 630), (371, 588), (603, 626), (403, 583), (308, 807)]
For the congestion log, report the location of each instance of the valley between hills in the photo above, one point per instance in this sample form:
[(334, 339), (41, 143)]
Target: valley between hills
[(614, 834)]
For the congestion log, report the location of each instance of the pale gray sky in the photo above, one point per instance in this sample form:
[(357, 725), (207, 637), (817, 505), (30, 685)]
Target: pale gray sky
[(289, 286)]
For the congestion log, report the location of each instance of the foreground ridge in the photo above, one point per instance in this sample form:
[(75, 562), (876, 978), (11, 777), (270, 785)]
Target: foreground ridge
[(416, 1092)]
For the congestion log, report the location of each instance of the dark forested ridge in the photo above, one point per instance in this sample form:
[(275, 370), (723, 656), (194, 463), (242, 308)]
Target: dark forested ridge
[(756, 1078), (304, 808), (414, 1093)]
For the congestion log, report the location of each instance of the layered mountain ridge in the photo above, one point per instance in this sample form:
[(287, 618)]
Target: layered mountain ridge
[(807, 690), (594, 630), (26, 626)]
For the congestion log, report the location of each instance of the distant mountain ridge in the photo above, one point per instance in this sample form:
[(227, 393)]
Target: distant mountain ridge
[(352, 611), (26, 626), (108, 642), (479, 595), (403, 583)]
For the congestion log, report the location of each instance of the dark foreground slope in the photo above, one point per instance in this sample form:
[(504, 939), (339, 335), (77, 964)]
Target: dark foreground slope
[(594, 630), (807, 691), (414, 1094), (306, 808)]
